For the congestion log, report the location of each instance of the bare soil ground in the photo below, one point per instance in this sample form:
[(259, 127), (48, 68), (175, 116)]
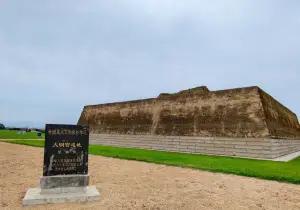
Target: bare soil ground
[(127, 184)]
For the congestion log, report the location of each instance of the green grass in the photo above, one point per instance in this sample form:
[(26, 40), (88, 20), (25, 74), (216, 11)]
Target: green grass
[(28, 142), (10, 134), (280, 171)]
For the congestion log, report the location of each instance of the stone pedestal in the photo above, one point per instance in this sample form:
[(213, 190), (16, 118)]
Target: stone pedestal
[(61, 189)]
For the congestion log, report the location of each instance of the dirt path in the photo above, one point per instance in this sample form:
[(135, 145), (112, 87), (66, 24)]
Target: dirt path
[(136, 185)]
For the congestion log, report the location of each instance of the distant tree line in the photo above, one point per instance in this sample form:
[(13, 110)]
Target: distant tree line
[(2, 127)]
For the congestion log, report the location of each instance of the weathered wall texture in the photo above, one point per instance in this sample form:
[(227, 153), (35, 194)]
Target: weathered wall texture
[(281, 122), (242, 112)]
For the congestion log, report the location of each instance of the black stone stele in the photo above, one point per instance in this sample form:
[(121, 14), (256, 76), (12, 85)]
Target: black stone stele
[(65, 171), (66, 150)]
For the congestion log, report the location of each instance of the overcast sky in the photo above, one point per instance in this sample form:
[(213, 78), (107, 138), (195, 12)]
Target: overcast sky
[(57, 56)]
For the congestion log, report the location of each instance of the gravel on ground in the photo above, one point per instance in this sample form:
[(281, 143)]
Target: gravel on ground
[(125, 184)]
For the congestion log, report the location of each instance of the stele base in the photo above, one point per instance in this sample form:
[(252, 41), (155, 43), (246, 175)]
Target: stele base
[(62, 189)]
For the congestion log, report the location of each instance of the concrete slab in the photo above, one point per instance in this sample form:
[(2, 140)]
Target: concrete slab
[(34, 196), (64, 181), (288, 157)]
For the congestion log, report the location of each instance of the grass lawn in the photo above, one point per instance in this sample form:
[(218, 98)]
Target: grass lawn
[(10, 134), (280, 171)]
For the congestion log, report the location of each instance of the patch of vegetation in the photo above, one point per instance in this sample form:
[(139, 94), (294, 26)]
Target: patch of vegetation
[(28, 142), (13, 134), (280, 171), (2, 126)]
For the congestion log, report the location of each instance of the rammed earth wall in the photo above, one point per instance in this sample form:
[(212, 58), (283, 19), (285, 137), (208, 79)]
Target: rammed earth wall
[(241, 112), (243, 122)]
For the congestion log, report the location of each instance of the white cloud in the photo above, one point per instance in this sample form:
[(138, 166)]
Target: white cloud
[(56, 57)]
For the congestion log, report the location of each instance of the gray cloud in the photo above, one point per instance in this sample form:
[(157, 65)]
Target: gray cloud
[(57, 56)]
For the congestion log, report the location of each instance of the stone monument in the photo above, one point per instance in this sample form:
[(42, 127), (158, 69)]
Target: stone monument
[(65, 172)]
